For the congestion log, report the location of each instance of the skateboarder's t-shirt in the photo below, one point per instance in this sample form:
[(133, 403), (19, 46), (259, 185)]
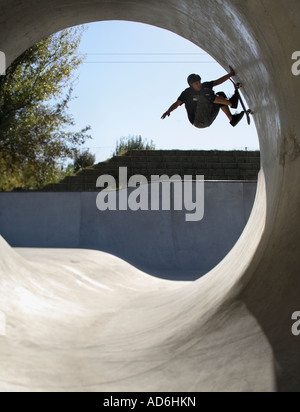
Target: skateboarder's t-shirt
[(190, 98)]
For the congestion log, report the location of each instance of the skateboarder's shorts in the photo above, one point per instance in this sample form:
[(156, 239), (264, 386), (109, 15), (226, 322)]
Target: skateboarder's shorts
[(221, 94), (207, 111)]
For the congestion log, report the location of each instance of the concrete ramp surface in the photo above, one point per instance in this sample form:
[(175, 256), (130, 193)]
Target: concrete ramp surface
[(82, 320)]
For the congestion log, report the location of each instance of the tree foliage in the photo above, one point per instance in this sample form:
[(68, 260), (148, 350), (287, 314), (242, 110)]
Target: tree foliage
[(83, 159), (36, 131), (132, 143)]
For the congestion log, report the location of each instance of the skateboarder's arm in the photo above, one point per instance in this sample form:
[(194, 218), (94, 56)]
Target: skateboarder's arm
[(225, 78), (172, 108)]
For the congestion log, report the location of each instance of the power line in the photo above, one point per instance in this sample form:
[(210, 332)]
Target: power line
[(146, 61), (100, 147), (144, 54), (150, 62)]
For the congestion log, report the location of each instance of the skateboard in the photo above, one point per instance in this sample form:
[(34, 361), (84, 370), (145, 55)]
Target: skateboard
[(237, 87)]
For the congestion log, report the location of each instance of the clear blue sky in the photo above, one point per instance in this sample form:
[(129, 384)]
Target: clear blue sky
[(128, 97)]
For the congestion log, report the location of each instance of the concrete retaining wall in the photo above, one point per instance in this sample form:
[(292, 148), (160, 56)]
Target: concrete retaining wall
[(158, 242), (213, 164)]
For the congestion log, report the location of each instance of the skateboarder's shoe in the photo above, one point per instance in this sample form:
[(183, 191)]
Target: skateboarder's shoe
[(236, 118), (234, 100)]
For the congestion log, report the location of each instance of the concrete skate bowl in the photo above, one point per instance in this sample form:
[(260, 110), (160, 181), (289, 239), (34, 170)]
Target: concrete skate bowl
[(88, 321)]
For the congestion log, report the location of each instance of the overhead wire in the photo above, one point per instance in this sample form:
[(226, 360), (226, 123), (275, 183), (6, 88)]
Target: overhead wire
[(146, 61)]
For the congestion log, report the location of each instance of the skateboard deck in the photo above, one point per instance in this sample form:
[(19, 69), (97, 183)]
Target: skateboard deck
[(248, 112)]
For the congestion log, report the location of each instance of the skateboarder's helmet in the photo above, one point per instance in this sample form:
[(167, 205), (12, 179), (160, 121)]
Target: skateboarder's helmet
[(193, 78)]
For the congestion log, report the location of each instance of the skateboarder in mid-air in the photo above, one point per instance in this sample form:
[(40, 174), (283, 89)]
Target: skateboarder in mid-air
[(203, 105)]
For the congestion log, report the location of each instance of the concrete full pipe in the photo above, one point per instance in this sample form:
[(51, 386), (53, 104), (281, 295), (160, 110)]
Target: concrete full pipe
[(61, 329)]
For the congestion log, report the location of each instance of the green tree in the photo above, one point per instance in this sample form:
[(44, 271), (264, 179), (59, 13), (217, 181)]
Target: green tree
[(132, 143), (83, 160), (35, 127)]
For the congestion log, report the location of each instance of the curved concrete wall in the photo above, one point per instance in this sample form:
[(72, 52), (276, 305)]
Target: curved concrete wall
[(244, 307)]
